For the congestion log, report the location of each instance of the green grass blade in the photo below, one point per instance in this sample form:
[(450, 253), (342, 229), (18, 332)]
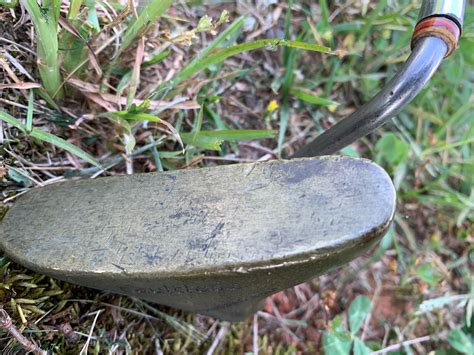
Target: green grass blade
[(369, 23), (323, 4), (239, 135), (284, 118), (156, 58), (61, 143), (74, 47), (149, 14), (289, 58), (12, 121), (215, 117), (287, 29), (92, 17), (312, 99), (29, 113), (134, 116), (212, 140), (49, 138), (198, 125), (45, 21), (74, 7), (41, 92), (444, 147), (202, 141), (227, 52), (250, 46), (156, 155)]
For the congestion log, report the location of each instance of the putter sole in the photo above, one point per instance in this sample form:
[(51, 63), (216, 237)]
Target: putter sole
[(212, 241)]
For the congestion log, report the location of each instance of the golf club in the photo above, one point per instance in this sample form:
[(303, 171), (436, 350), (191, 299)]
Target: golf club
[(217, 241)]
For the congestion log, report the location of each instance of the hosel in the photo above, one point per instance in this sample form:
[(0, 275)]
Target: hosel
[(435, 37)]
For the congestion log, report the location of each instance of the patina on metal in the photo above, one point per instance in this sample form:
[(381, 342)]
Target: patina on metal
[(217, 241), (212, 241)]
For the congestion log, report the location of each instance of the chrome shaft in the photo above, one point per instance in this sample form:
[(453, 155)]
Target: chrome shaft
[(426, 56), (453, 9)]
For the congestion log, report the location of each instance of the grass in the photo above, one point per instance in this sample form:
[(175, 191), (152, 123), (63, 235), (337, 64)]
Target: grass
[(108, 99), (45, 18)]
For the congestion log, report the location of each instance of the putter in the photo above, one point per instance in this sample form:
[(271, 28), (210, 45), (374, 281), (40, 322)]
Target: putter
[(217, 241)]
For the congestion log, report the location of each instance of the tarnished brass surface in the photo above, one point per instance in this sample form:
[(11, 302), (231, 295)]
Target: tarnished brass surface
[(212, 241)]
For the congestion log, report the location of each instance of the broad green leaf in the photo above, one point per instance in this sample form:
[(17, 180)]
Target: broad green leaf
[(461, 342), (312, 99), (333, 344), (427, 273), (12, 121), (360, 348), (350, 152), (358, 311), (125, 125), (337, 324), (61, 143), (391, 149)]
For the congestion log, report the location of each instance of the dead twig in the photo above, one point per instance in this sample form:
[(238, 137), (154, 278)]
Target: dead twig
[(255, 334), (89, 337), (222, 333), (7, 324), (400, 345)]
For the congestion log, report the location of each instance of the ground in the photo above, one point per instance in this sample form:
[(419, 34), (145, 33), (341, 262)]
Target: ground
[(413, 293)]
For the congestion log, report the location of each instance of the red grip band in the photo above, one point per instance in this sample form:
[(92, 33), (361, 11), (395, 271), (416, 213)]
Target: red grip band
[(440, 27)]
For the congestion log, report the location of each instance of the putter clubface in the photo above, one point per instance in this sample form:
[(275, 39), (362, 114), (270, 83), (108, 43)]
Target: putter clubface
[(212, 241)]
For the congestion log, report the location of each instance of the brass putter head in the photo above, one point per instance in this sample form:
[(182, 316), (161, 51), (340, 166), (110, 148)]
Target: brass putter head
[(213, 241), (217, 241)]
